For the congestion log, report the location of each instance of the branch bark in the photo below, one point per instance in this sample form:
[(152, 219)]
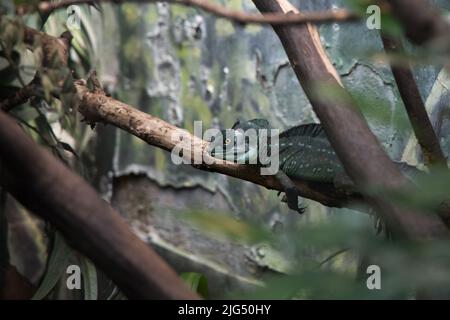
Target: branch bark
[(421, 21), (415, 108), (19, 97), (49, 189), (16, 286), (213, 8), (358, 149)]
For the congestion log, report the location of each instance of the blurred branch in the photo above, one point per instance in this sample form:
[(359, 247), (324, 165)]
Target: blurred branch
[(422, 22), (49, 189), (356, 146), (47, 7), (16, 286), (19, 97), (417, 113)]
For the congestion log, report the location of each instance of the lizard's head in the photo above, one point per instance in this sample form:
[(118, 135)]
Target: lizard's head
[(229, 145), (238, 144)]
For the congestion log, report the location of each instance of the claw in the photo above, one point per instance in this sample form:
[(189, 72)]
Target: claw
[(292, 201), (291, 193)]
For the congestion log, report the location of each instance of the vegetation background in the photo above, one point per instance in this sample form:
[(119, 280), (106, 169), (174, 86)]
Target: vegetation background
[(183, 65)]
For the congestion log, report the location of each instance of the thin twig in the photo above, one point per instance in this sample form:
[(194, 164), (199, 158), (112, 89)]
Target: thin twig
[(21, 96), (415, 108), (218, 10), (331, 257)]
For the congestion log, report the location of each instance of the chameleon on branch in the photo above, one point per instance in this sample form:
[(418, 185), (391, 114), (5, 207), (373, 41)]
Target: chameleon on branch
[(304, 154)]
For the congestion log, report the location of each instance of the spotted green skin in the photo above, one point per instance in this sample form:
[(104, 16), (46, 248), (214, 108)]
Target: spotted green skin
[(309, 158), (306, 154)]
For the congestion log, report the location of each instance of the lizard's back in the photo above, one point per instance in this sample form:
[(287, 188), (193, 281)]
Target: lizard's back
[(306, 153)]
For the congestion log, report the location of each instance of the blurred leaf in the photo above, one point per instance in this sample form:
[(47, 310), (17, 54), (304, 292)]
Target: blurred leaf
[(197, 282), (429, 191), (56, 266), (47, 85), (89, 273), (227, 226)]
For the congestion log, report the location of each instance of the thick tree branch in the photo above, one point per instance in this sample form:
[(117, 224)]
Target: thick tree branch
[(49, 189), (360, 152), (421, 21), (415, 108), (208, 6), (16, 286)]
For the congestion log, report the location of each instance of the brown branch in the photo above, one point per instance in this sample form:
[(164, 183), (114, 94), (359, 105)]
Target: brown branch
[(21, 96), (97, 107), (218, 10), (16, 286), (421, 21), (49, 189), (358, 149), (415, 108)]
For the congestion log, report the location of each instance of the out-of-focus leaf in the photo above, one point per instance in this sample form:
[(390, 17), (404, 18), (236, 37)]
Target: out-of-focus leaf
[(89, 273), (232, 228), (47, 85), (429, 191), (67, 147), (197, 282), (56, 266)]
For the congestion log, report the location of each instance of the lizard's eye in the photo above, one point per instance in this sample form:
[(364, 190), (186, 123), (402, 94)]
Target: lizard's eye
[(227, 141)]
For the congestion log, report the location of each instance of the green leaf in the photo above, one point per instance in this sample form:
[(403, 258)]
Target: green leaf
[(197, 282), (89, 273), (56, 266)]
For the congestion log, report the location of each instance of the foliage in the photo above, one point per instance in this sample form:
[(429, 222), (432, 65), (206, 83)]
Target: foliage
[(326, 258)]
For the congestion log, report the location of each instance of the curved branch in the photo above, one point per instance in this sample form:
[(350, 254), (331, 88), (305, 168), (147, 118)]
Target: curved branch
[(19, 97), (415, 108), (358, 149), (49, 189), (421, 21), (218, 10)]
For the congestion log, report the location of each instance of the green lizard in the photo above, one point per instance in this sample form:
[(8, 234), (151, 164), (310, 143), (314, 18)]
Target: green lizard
[(304, 153)]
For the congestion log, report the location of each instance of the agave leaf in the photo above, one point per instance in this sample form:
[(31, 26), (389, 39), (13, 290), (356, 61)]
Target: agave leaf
[(56, 266), (90, 285)]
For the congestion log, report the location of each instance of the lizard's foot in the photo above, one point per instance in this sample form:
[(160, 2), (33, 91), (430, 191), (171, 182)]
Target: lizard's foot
[(291, 198), (291, 192)]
